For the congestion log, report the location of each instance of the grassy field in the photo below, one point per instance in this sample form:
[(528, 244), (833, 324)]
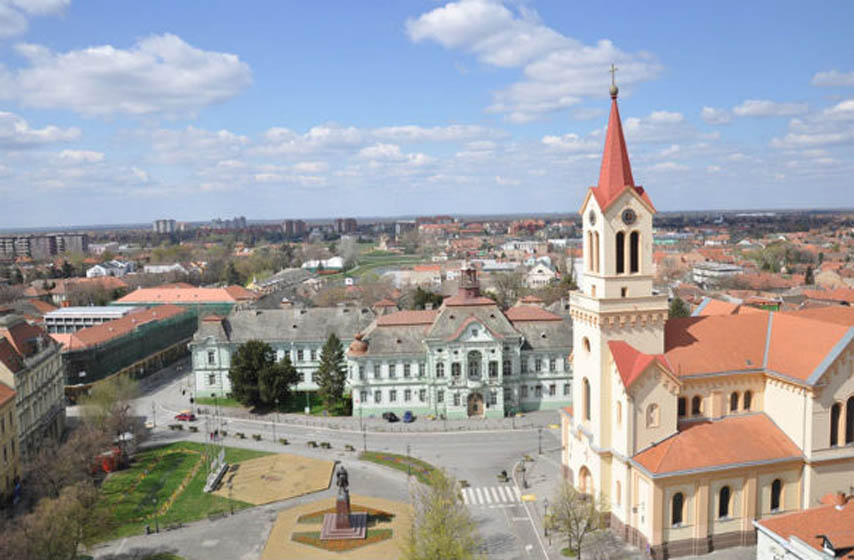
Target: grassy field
[(169, 478), (295, 404), (420, 469)]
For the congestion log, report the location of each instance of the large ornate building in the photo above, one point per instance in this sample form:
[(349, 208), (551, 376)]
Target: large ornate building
[(692, 428), (466, 359)]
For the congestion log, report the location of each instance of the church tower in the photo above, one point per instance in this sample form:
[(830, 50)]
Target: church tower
[(617, 304)]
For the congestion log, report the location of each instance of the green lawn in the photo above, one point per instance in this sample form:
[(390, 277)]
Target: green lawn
[(160, 473), (295, 404), (420, 469)]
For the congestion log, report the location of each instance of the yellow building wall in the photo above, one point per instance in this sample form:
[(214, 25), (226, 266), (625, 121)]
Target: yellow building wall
[(9, 449)]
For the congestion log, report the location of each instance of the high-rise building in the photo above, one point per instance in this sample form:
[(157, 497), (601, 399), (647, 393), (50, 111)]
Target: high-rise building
[(164, 226), (345, 225), (293, 228)]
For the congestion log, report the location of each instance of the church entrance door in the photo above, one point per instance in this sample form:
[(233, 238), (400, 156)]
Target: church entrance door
[(475, 403)]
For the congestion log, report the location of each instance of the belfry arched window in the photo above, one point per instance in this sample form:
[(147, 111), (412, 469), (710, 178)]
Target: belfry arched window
[(776, 491), (677, 508), (733, 402), (634, 252), (585, 398), (621, 252), (835, 414), (723, 502)]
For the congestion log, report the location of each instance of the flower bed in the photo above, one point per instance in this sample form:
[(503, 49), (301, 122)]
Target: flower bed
[(312, 538), (374, 515), (420, 469)]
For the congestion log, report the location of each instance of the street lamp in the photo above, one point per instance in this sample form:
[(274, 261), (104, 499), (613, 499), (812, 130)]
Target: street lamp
[(546, 518), (275, 417), (540, 439), (524, 480), (156, 525)]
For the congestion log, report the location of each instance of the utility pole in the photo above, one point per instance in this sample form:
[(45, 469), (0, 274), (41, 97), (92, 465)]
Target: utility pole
[(275, 414), (153, 415), (364, 439)]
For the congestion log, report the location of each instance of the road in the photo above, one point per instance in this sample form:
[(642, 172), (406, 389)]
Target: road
[(509, 528)]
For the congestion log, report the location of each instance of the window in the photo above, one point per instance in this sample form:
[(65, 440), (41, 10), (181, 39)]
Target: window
[(456, 369), (302, 377), (313, 354), (566, 389), (407, 395), (723, 503), (733, 402), (493, 397), (682, 407), (493, 369), (361, 372), (748, 398), (524, 391), (676, 509), (300, 355), (552, 390), (422, 395), (696, 406), (406, 370), (212, 379), (634, 251), (849, 421), (652, 416), (474, 333), (474, 364), (456, 399), (585, 343), (524, 364), (621, 252), (624, 291), (835, 413), (211, 357), (440, 396), (506, 368), (776, 491), (363, 396), (392, 371), (552, 365), (311, 376), (377, 371), (422, 367), (392, 395), (440, 370), (596, 251), (378, 396), (585, 399), (538, 391), (538, 365)]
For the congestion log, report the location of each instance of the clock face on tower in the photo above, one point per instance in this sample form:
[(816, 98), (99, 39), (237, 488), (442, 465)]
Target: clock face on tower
[(592, 218), (629, 216)]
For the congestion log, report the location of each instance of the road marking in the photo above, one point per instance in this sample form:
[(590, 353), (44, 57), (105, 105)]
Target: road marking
[(490, 496), (494, 493), (479, 496), (486, 496), (529, 498), (519, 518), (465, 496), (508, 495), (516, 491)]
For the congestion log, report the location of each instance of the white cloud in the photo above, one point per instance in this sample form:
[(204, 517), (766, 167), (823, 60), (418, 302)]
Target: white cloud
[(672, 150), (667, 166), (571, 142), (558, 70), (194, 145), (658, 126), (412, 133), (81, 156), (713, 169), (833, 78), (833, 125), (506, 181), (311, 167), (392, 153), (16, 133), (587, 113), (14, 13), (713, 115), (766, 108), (159, 74)]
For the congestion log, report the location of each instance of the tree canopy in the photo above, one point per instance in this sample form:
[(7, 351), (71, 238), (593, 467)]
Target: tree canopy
[(678, 308), (257, 379), (331, 376)]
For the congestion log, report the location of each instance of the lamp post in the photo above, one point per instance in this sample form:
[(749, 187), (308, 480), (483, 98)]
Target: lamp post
[(275, 415), (540, 439), (230, 500), (546, 518), (364, 439), (524, 480), (156, 524)]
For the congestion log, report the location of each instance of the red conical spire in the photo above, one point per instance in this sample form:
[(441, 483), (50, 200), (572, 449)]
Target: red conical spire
[(616, 171)]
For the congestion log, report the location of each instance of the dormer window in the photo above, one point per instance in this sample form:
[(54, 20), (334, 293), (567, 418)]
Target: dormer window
[(474, 333)]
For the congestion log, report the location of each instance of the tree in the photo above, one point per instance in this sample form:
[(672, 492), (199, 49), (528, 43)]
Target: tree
[(231, 275), (348, 251), (809, 276), (508, 286), (276, 381), (678, 308), (67, 269), (442, 526), (422, 297), (575, 515), (331, 376), (246, 364)]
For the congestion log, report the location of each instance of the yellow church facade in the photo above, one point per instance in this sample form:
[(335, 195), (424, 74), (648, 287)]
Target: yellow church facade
[(691, 428)]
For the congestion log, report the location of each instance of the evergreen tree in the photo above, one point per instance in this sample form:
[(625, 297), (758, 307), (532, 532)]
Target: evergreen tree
[(331, 376), (809, 276), (276, 381), (247, 362), (231, 275), (679, 308)]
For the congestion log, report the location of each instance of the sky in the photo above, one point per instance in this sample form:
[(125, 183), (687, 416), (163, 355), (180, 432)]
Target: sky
[(125, 112)]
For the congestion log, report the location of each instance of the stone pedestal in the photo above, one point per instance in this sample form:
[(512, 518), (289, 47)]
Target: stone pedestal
[(342, 524), (342, 511)]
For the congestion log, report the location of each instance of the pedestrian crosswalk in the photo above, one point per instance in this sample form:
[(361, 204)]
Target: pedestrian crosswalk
[(491, 495)]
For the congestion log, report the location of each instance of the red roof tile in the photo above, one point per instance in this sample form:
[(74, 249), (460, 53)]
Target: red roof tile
[(630, 362), (834, 522), (530, 313), (187, 296), (400, 318), (9, 357), (732, 441), (841, 295), (459, 300), (99, 334), (714, 344)]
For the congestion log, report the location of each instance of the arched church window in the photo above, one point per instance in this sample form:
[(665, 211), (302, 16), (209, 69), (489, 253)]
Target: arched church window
[(723, 502), (585, 399), (733, 402), (652, 416), (849, 421), (621, 252), (776, 491), (586, 343), (696, 406), (619, 413), (589, 252), (677, 508), (748, 400), (835, 414), (634, 252), (596, 251)]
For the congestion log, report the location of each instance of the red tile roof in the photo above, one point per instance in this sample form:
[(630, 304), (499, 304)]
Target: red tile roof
[(834, 522), (21, 335), (841, 295), (459, 300), (99, 334), (530, 313), (9, 357), (400, 318), (42, 306), (839, 314), (719, 343), (385, 302), (6, 394), (716, 307), (232, 294), (631, 363), (730, 442)]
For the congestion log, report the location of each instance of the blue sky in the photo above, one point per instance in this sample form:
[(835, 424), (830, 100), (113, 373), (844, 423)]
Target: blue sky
[(117, 112)]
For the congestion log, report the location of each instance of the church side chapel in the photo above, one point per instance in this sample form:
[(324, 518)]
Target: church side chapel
[(691, 428)]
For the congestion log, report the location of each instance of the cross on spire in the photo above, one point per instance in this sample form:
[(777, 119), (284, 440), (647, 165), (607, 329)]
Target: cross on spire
[(614, 88)]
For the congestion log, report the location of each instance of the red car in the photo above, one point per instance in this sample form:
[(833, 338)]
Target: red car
[(186, 417)]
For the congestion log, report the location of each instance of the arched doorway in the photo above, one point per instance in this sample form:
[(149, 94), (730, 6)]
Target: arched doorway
[(475, 404), (585, 481)]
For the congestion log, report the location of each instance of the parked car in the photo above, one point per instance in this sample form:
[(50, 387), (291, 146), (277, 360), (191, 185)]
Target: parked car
[(186, 417), (408, 417), (390, 416)]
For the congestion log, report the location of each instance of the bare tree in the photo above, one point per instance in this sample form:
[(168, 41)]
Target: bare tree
[(348, 250), (508, 287), (576, 515)]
